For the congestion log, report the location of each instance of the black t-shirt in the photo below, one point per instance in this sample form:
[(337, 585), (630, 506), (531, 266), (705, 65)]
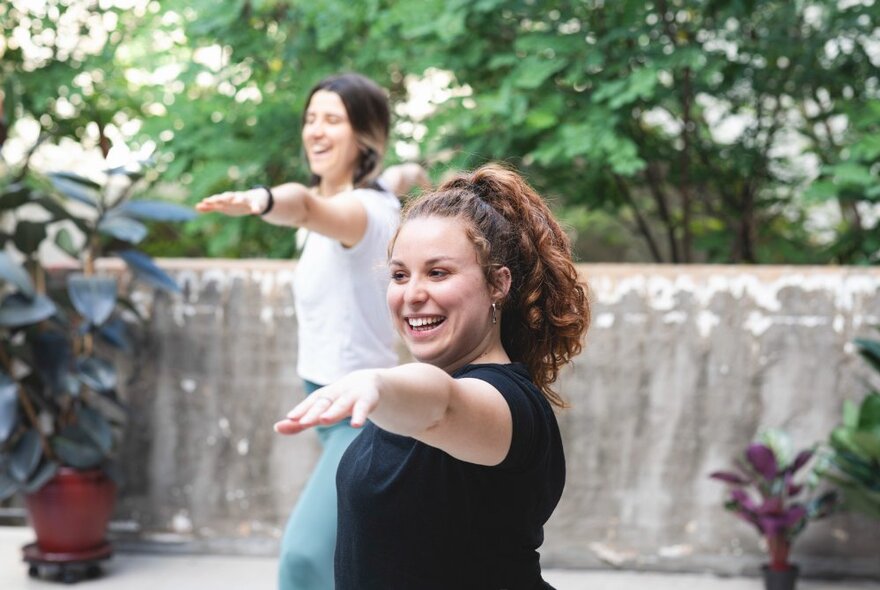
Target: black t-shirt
[(411, 517)]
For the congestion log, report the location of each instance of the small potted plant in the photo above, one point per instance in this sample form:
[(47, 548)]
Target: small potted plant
[(61, 418), (768, 493), (855, 446)]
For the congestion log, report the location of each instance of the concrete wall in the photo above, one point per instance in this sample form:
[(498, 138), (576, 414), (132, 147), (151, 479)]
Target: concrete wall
[(683, 365)]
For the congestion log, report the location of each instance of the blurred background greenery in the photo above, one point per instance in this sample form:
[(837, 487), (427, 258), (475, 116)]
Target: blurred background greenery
[(721, 131)]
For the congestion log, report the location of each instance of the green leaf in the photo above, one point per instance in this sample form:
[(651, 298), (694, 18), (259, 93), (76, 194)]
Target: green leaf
[(540, 120), (17, 310), (94, 297), (146, 270), (821, 191), (76, 450), (14, 196), (8, 486), (64, 240), (97, 428), (9, 411), (870, 351), (43, 475), (853, 173), (869, 443), (12, 272), (28, 236), (156, 211), (79, 454), (123, 228), (77, 188), (25, 456), (97, 374), (534, 71), (59, 213), (869, 413), (850, 414)]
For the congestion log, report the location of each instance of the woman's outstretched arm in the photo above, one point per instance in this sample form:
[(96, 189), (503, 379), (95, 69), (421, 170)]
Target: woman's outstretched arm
[(341, 217), (467, 418)]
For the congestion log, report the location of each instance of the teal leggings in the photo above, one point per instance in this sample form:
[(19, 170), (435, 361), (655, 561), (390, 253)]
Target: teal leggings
[(306, 561)]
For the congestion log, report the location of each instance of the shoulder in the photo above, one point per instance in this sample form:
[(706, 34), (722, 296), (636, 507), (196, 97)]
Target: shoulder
[(374, 199), (511, 380), (532, 419)]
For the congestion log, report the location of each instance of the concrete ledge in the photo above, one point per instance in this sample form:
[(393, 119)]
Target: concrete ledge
[(683, 365)]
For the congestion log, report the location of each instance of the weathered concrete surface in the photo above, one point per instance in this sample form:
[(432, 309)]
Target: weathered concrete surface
[(682, 367)]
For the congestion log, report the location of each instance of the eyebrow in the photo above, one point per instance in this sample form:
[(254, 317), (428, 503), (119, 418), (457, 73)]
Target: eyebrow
[(429, 262)]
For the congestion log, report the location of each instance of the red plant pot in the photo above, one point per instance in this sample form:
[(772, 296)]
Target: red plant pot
[(70, 513)]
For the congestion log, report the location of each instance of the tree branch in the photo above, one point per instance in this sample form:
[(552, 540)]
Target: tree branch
[(640, 221)]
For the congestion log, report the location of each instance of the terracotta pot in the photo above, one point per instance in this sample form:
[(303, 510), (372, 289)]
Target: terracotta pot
[(70, 513), (780, 579)]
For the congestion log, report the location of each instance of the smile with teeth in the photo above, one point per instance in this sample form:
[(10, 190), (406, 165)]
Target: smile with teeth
[(424, 323)]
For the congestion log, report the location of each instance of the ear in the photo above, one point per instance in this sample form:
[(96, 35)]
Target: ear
[(500, 286)]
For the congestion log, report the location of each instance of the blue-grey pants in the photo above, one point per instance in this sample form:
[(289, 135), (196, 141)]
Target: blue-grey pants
[(306, 561)]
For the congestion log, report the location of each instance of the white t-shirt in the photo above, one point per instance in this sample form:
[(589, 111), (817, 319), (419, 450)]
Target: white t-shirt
[(339, 292)]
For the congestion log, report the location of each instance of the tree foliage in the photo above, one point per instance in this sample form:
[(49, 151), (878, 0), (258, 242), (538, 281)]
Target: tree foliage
[(696, 126)]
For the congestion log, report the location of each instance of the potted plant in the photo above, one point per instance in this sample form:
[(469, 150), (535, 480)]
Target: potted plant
[(768, 493), (855, 446), (61, 418)]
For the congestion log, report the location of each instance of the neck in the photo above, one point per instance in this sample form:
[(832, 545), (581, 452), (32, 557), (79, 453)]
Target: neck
[(490, 352), (329, 187)]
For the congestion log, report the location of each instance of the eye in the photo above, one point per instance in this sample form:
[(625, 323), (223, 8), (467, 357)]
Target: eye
[(398, 276), (438, 273)]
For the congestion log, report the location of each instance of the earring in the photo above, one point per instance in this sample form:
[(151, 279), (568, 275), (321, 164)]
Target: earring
[(494, 316)]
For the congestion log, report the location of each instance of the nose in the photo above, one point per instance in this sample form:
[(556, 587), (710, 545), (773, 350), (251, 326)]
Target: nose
[(314, 129), (415, 293)]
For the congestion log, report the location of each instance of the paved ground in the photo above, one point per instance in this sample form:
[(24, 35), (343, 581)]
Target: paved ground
[(162, 572)]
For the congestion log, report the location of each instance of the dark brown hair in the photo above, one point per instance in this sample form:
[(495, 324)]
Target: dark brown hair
[(370, 117), (546, 311)]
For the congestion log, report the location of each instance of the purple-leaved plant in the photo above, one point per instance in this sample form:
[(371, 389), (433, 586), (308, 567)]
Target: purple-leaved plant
[(766, 495)]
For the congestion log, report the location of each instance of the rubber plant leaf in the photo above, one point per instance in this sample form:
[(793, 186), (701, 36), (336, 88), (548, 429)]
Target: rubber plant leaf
[(9, 410), (76, 187), (96, 427), (15, 274), (25, 456), (52, 355), (97, 374), (41, 477), (123, 228), (115, 333), (156, 211), (74, 447), (146, 270), (94, 297), (17, 311), (8, 486)]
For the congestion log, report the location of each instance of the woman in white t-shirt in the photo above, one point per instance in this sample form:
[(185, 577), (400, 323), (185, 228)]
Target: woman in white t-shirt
[(344, 323)]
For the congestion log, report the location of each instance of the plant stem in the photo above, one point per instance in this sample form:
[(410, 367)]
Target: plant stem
[(779, 548)]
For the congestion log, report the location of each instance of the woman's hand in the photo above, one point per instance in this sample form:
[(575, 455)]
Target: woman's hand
[(235, 203), (355, 395)]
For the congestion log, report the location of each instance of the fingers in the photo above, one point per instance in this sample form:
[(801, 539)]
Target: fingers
[(230, 203), (320, 409)]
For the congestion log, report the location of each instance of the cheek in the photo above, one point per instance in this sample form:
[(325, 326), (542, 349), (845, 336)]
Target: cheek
[(394, 298)]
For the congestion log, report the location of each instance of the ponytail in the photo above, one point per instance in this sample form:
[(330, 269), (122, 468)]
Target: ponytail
[(546, 310)]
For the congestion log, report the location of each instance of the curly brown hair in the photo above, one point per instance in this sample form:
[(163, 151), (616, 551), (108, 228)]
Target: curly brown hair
[(546, 311)]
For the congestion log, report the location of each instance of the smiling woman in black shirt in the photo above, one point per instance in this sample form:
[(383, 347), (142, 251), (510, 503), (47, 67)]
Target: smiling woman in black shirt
[(461, 462)]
